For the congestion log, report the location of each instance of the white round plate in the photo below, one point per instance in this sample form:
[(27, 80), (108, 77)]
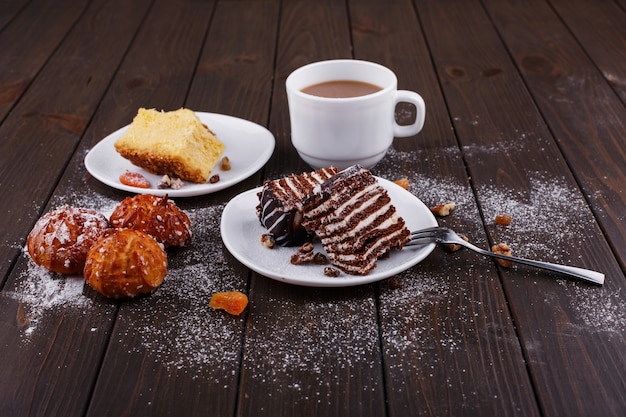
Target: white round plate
[(241, 231), (247, 145)]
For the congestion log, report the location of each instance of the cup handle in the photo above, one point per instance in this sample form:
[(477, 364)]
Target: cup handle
[(404, 96)]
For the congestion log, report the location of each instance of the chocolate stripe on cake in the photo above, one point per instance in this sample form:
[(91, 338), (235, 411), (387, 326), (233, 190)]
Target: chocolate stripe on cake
[(280, 207), (355, 220)]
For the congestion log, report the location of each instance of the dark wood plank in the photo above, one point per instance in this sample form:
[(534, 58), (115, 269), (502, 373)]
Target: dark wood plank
[(599, 27), (51, 332), (37, 37), (583, 112), (308, 33), (563, 325), (172, 352), (44, 127), (9, 9), (439, 325), (513, 91), (308, 351), (223, 81)]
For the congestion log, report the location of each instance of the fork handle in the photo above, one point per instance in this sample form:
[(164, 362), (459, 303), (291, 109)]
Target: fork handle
[(584, 274)]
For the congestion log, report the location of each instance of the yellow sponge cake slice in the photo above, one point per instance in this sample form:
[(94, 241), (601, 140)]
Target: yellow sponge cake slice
[(175, 143)]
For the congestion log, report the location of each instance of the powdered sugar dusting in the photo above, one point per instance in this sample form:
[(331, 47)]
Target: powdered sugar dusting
[(89, 199), (194, 337), (39, 291), (433, 190), (313, 341), (201, 341), (428, 316), (550, 215), (409, 333), (598, 311), (194, 334)]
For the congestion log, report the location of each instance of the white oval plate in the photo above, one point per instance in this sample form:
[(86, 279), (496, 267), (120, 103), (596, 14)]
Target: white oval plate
[(247, 145), (241, 231)]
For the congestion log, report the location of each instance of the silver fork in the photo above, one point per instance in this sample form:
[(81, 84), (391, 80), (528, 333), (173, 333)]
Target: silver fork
[(443, 235)]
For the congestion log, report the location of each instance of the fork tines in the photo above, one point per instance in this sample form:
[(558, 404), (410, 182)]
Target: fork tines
[(423, 236)]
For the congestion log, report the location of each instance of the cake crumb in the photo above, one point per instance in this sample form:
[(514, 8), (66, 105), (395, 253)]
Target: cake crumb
[(443, 210), (300, 258), (502, 249), (331, 272), (225, 164), (306, 248), (268, 241)]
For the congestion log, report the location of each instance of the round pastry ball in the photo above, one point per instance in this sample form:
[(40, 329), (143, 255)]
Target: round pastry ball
[(125, 263), (61, 238), (155, 215)]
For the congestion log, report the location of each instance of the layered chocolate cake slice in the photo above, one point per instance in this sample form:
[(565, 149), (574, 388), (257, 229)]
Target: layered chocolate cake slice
[(352, 215), (280, 205)]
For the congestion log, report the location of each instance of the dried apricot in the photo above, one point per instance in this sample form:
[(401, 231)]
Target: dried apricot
[(134, 179), (234, 302), (403, 182)]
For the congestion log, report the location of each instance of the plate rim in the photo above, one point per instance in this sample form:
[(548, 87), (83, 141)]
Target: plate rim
[(346, 280), (193, 189)]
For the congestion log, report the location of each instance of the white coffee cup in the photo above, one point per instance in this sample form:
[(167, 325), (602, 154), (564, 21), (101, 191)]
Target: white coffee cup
[(351, 130)]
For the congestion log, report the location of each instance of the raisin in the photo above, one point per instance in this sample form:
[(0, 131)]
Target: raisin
[(503, 219)]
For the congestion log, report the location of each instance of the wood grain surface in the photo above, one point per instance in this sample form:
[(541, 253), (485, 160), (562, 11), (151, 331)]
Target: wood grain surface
[(525, 115)]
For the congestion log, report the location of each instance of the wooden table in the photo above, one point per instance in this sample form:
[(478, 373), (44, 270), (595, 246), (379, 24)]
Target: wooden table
[(525, 115)]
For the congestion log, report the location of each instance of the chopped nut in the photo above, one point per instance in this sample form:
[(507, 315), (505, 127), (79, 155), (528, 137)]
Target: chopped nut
[(165, 182), (267, 240), (225, 165), (177, 184), (214, 178), (443, 210), (453, 247), (300, 258), (403, 182), (503, 219), (173, 183), (331, 272), (502, 249)]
